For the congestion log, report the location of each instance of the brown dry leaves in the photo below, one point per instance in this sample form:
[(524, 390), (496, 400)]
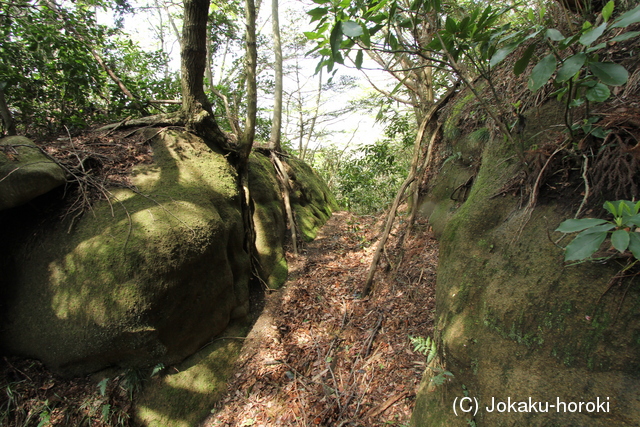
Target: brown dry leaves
[(95, 163), (32, 396), (335, 360)]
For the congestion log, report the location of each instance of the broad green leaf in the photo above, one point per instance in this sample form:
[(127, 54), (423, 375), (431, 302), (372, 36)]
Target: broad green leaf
[(599, 228), (542, 72), (351, 29), (599, 132), (614, 208), (569, 41), (627, 207), (465, 26), (598, 93), (393, 41), (625, 36), (634, 244), (366, 37), (596, 47), (607, 10), (620, 240), (570, 67), (318, 13), (592, 34), (584, 245), (609, 73), (502, 53), (555, 35), (573, 225), (359, 59), (381, 4), (631, 17), (632, 221), (450, 25), (521, 64), (311, 35), (336, 39)]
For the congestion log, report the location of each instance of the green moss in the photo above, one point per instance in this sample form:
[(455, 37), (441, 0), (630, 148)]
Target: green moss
[(269, 220), (312, 201), (144, 279), (535, 326), (450, 128), (187, 394)]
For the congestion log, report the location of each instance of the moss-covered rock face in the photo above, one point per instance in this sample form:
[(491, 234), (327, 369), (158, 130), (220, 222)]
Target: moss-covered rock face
[(153, 274), (147, 279), (269, 220), (311, 199), (25, 172), (513, 322)]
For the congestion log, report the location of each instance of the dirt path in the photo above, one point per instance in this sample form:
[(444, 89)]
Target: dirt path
[(319, 356)]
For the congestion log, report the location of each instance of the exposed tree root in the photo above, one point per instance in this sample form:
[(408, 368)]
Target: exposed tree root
[(285, 186), (166, 119)]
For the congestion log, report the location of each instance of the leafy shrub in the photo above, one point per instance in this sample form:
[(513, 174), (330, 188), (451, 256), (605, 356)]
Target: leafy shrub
[(593, 231)]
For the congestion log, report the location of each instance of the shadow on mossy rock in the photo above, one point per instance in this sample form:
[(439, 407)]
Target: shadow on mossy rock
[(25, 172), (151, 275), (146, 278)]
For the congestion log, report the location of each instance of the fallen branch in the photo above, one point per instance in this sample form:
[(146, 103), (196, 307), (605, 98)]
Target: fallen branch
[(168, 119), (385, 234), (374, 412)]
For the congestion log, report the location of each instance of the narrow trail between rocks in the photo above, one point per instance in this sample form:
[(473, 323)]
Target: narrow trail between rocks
[(318, 355)]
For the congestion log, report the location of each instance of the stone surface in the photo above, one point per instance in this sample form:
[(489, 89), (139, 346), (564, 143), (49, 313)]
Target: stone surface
[(25, 172), (512, 321), (149, 281), (153, 275)]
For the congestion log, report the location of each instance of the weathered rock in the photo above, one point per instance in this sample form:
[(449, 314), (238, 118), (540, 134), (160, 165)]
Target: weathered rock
[(148, 279), (269, 220), (513, 322), (152, 275), (311, 199), (25, 172)]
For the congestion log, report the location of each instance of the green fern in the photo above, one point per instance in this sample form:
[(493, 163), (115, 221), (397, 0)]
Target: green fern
[(425, 346), (441, 376)]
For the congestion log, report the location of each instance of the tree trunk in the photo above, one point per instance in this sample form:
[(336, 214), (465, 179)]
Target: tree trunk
[(246, 142), (9, 124), (194, 56), (276, 125), (196, 108), (315, 116)]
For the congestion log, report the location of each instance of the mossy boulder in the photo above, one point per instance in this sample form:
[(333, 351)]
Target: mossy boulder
[(185, 394), (25, 172), (269, 220), (512, 321), (146, 278), (312, 201), (154, 273)]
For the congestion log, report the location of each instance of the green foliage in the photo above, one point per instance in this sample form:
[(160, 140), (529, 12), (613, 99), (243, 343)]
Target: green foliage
[(441, 376), (52, 78), (367, 180), (593, 232), (425, 346), (580, 76)]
